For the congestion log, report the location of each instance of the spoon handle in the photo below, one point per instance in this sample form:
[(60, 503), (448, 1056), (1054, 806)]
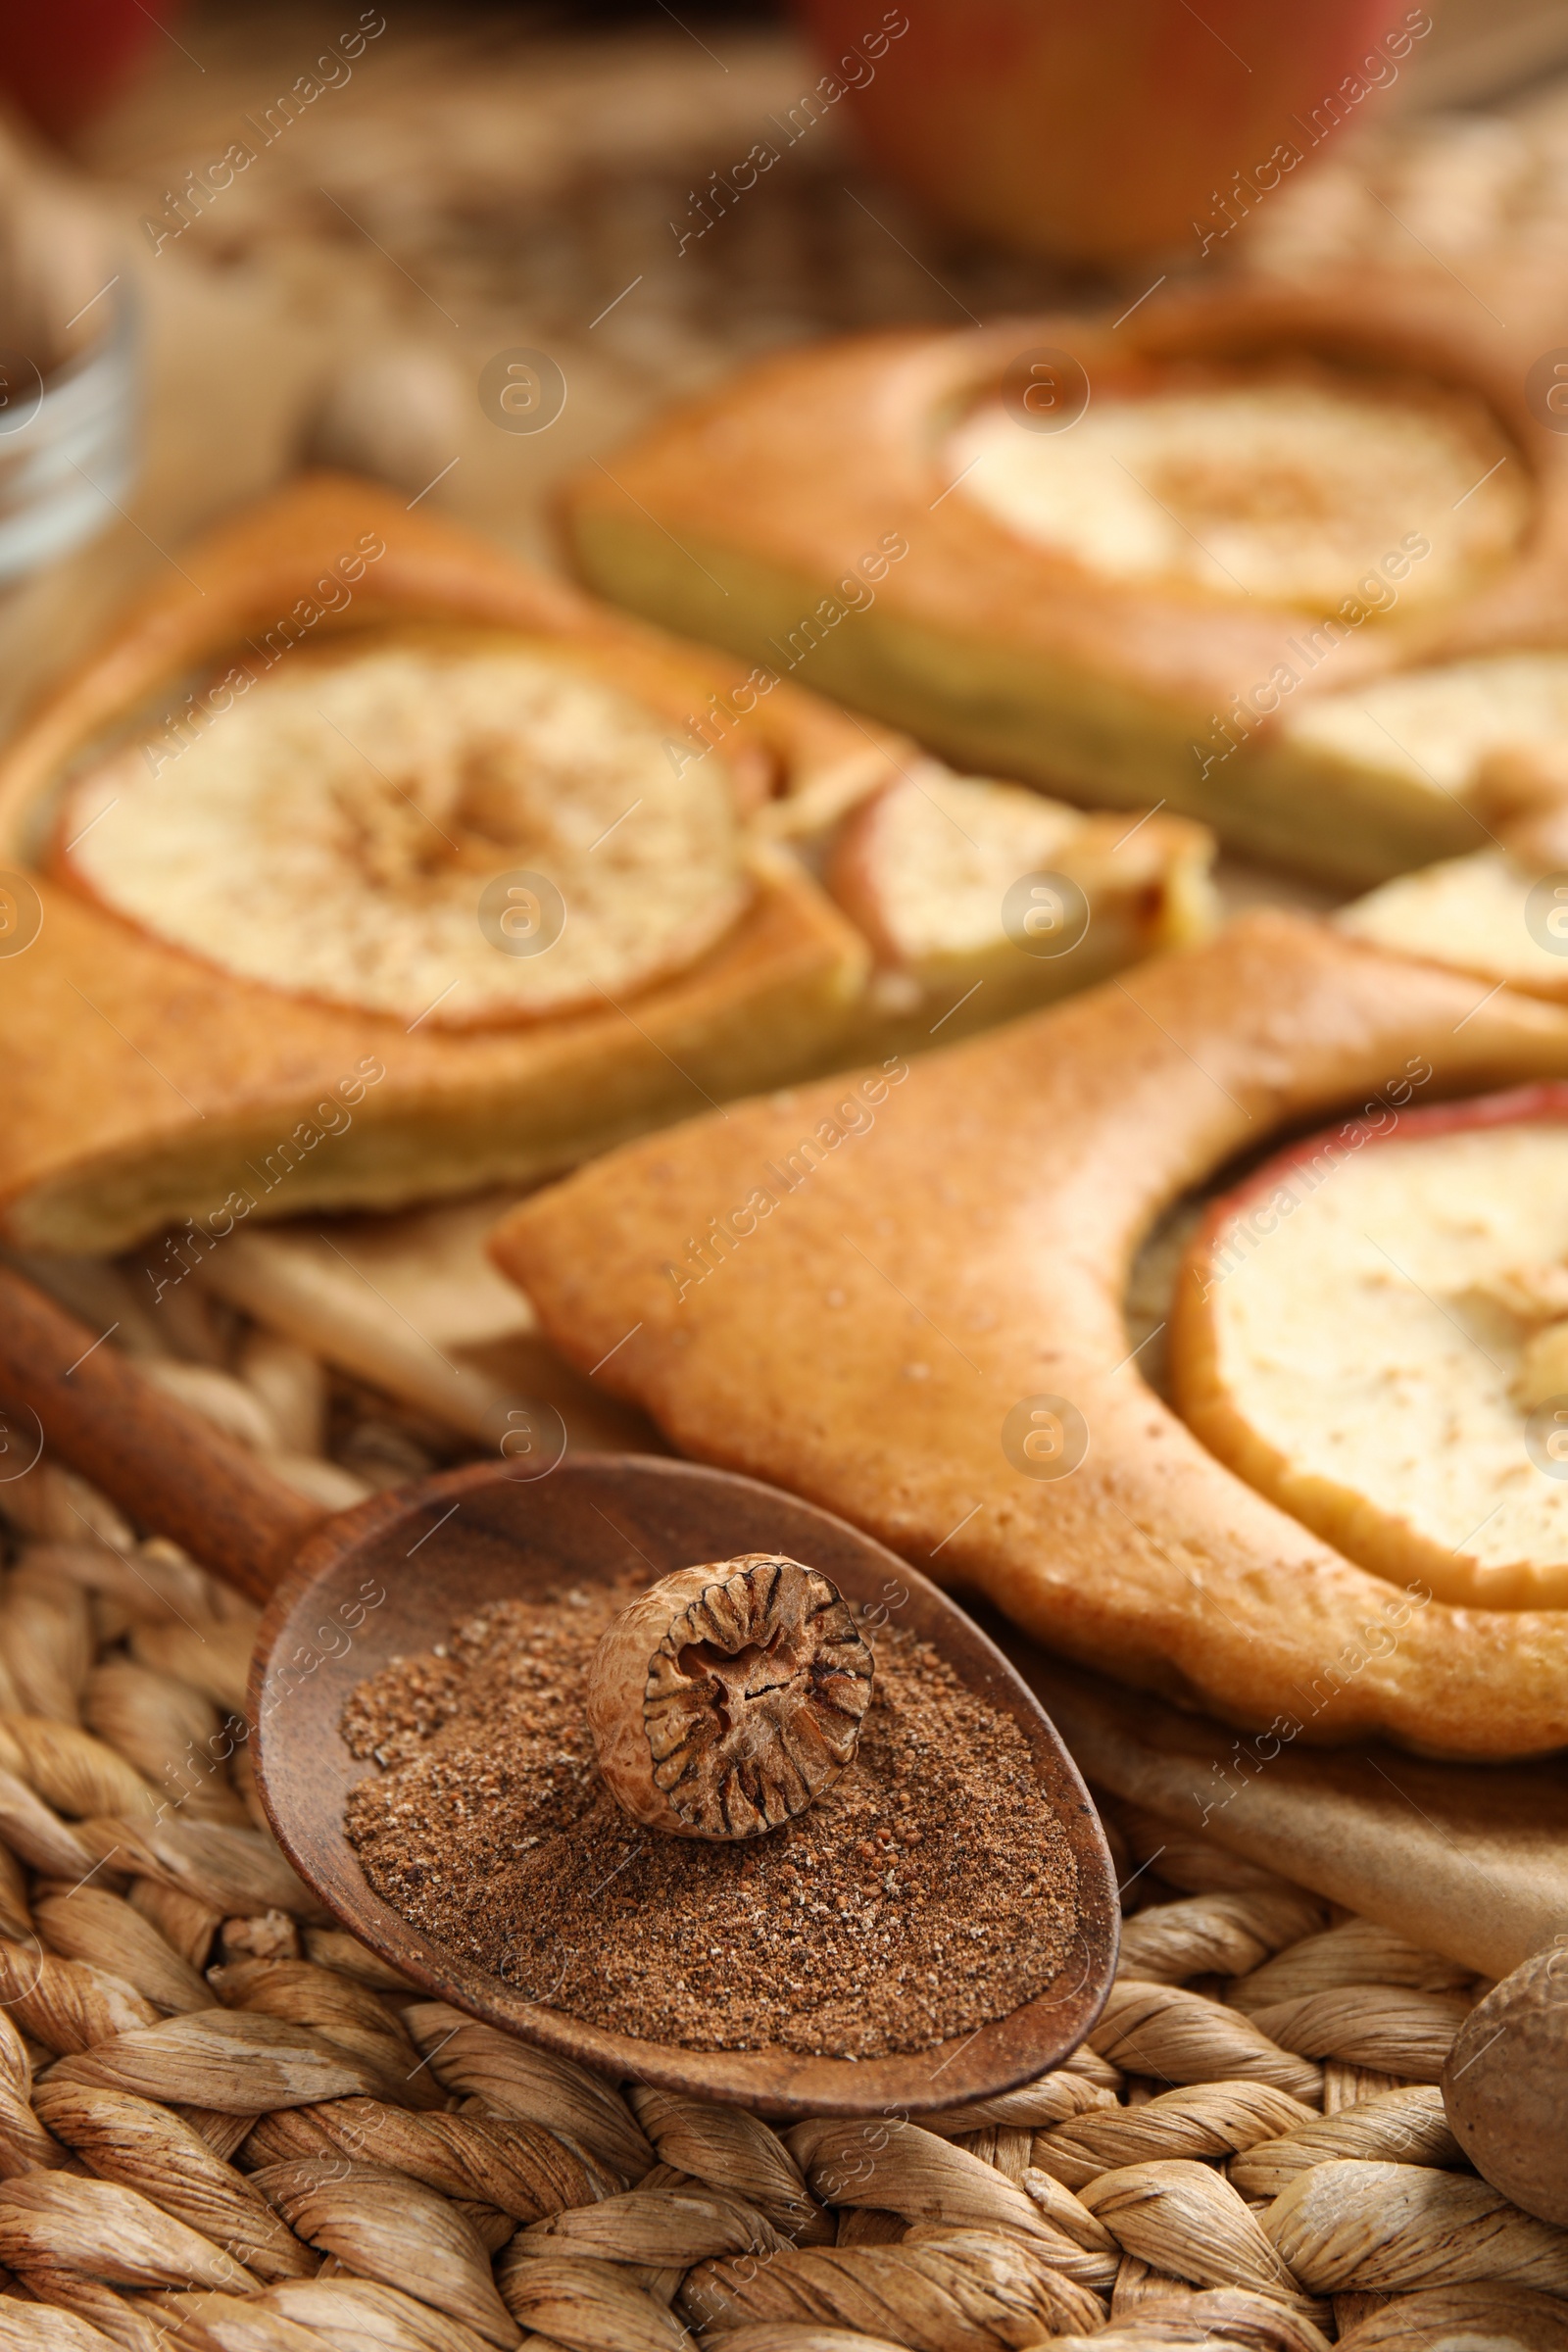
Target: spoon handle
[(168, 1467)]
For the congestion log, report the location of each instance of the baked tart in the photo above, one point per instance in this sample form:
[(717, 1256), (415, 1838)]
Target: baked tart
[(361, 867), (907, 1301), (1152, 559)]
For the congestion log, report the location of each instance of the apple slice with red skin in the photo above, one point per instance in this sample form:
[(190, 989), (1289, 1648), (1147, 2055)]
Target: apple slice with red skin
[(1353, 1333)]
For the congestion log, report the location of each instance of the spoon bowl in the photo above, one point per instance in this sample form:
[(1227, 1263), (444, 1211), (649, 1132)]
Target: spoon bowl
[(391, 1577)]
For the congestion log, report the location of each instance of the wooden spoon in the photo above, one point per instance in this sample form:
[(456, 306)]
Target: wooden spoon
[(347, 1592)]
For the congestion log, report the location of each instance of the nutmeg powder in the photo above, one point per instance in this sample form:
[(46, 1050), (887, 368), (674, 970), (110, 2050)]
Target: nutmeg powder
[(928, 1891)]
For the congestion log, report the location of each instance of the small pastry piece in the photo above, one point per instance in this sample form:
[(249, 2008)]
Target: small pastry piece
[(1365, 1336), (907, 1288), (1433, 728), (273, 801), (726, 1698), (1542, 1373), (984, 893), (1125, 559), (1523, 790), (1487, 914)]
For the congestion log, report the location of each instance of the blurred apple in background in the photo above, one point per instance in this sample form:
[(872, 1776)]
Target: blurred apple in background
[(1103, 130), (62, 60)]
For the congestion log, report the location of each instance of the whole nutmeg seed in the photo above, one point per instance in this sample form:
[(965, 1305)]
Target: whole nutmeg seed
[(396, 413), (1505, 2087), (728, 1697)]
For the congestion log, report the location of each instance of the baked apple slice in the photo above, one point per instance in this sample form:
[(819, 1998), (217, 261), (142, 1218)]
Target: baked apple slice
[(1282, 480), (334, 836), (1502, 914), (982, 900), (1416, 753), (1374, 1333)]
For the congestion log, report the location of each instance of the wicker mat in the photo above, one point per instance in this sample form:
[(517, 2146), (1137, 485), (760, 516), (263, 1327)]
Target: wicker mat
[(226, 2126)]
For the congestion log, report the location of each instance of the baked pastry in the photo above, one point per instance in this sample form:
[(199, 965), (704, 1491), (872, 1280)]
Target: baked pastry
[(902, 1297), (255, 1017), (1127, 560), (1378, 1339), (446, 877)]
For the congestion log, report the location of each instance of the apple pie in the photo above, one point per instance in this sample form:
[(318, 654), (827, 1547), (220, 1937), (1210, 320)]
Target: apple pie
[(1159, 558), (362, 868), (901, 1296)]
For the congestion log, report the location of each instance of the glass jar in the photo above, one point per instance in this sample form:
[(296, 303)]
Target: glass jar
[(69, 438)]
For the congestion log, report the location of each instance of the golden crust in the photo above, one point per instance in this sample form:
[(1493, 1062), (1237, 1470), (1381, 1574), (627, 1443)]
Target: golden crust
[(963, 1251), (191, 1096), (1009, 658), (189, 1092)]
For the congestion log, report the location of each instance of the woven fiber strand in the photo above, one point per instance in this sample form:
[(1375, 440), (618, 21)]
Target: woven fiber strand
[(226, 2127)]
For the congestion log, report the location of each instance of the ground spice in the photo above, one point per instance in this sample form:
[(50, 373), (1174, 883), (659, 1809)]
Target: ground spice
[(926, 1891)]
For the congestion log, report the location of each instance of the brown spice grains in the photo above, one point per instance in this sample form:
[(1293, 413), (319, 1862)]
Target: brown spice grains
[(928, 1891)]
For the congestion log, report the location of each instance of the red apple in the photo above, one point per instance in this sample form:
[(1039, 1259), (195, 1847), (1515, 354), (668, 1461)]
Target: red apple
[(1105, 131), (62, 63)]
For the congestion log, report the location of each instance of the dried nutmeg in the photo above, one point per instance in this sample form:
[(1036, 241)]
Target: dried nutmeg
[(728, 1696), (1505, 2085)]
